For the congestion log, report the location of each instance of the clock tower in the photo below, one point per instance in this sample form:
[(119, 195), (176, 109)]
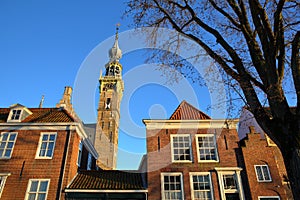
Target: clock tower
[(111, 92)]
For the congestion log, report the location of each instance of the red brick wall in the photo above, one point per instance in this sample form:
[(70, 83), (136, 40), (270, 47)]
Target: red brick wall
[(257, 152), (25, 150), (71, 165), (161, 161)]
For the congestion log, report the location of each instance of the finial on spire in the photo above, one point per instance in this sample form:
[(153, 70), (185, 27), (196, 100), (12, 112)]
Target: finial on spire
[(117, 30), (115, 52), (42, 101)]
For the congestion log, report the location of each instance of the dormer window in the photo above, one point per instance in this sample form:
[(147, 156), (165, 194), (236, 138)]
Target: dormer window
[(18, 113)]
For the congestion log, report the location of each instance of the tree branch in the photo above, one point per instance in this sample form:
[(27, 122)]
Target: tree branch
[(295, 65), (225, 14)]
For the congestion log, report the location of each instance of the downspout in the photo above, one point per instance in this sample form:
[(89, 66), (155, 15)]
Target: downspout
[(63, 164)]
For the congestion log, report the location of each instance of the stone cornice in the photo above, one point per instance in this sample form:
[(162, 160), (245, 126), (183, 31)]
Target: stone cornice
[(190, 124)]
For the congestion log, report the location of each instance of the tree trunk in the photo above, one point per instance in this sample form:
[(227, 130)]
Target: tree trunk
[(292, 164)]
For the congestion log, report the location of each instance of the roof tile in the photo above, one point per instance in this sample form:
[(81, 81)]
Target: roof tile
[(41, 115), (107, 180), (186, 111)]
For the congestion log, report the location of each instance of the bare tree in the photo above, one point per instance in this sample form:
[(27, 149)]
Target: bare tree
[(256, 43)]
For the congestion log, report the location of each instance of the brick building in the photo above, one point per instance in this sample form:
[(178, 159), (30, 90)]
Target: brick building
[(263, 163), (191, 156), (41, 150)]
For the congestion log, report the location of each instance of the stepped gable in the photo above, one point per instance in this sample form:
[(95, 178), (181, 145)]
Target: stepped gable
[(186, 111), (107, 180)]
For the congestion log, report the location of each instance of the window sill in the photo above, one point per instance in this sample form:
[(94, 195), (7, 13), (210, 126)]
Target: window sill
[(43, 158), (182, 161), (265, 181), (208, 161)]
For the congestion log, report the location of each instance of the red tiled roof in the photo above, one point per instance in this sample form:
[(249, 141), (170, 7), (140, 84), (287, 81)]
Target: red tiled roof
[(186, 111), (40, 115), (107, 180)]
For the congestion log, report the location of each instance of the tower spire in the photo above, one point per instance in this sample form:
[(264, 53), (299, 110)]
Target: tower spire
[(108, 120), (115, 53)]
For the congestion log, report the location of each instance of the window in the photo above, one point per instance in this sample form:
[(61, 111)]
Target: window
[(79, 154), (262, 173), (201, 187), (37, 189), (107, 104), (171, 184), (3, 177), (230, 183), (15, 115), (206, 147), (7, 143), (89, 162), (268, 198), (46, 145), (181, 148)]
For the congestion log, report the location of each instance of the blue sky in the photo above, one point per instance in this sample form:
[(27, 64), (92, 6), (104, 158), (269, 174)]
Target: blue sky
[(43, 47)]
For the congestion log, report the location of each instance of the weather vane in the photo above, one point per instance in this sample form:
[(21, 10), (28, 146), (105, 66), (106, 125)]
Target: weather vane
[(117, 30)]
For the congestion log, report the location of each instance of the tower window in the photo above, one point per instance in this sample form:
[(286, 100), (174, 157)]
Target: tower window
[(110, 124), (110, 137), (107, 104)]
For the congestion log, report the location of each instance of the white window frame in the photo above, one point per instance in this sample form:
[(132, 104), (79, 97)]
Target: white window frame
[(261, 197), (198, 149), (172, 148), (3, 178), (9, 119), (37, 156), (230, 171), (264, 179), (163, 174), (201, 174), (39, 180), (79, 154), (5, 148)]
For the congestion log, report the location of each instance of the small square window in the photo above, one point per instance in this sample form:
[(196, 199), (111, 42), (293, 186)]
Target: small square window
[(37, 189), (46, 145), (181, 148), (16, 114), (229, 182), (7, 143), (263, 173)]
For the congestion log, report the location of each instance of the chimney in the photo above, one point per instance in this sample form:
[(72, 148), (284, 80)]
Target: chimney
[(65, 101)]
